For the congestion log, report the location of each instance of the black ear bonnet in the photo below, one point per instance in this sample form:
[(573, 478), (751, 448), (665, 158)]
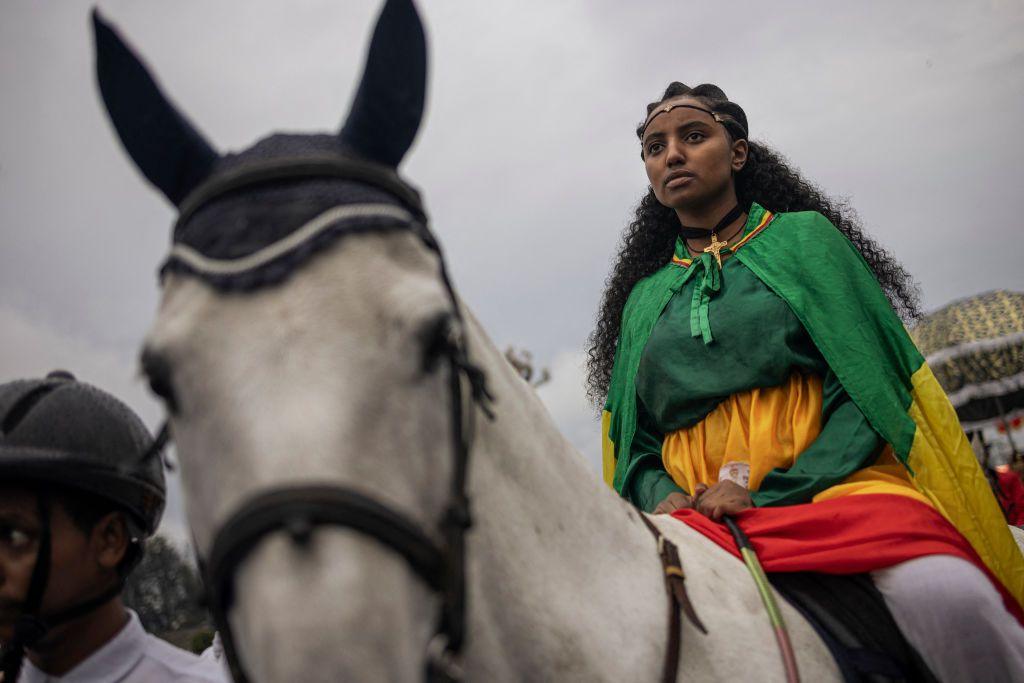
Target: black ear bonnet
[(261, 215)]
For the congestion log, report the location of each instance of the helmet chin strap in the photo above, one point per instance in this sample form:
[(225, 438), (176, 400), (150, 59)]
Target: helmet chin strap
[(30, 628)]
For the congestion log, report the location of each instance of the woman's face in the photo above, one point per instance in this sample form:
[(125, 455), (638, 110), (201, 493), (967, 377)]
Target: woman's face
[(689, 157)]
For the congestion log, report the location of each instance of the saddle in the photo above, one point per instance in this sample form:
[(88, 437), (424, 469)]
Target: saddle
[(851, 617)]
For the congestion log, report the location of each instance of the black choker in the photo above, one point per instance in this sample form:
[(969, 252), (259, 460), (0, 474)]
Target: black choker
[(689, 233)]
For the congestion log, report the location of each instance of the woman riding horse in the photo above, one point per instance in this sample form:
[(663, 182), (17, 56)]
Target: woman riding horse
[(753, 365)]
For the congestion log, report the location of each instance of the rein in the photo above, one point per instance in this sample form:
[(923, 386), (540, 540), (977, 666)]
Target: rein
[(678, 599), (439, 559)]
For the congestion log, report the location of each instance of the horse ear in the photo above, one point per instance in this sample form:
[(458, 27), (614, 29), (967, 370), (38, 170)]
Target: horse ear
[(167, 149), (388, 105)]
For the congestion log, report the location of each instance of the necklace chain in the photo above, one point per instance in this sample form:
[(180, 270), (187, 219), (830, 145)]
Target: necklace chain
[(713, 236)]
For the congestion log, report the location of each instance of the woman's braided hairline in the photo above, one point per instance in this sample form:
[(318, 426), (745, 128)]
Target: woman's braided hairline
[(767, 178)]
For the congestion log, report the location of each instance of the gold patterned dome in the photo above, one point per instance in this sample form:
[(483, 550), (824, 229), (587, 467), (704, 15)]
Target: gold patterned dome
[(975, 347)]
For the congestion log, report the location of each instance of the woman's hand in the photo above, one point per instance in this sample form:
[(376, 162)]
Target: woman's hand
[(674, 501), (724, 498)]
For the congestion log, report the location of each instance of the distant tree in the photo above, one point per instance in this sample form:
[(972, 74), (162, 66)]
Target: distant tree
[(165, 589), (522, 361)]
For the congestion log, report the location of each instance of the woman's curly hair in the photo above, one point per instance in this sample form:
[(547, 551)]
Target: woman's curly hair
[(767, 178)]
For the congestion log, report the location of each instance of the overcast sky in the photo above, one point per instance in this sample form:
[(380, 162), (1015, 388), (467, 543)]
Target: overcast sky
[(527, 158)]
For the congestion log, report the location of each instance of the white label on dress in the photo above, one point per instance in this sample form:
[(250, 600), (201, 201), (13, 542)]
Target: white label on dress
[(736, 472)]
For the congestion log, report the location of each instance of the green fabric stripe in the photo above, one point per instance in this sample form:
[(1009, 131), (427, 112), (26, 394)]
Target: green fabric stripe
[(695, 302), (710, 284)]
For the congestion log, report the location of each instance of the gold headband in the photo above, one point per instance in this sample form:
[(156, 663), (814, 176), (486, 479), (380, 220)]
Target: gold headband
[(669, 107)]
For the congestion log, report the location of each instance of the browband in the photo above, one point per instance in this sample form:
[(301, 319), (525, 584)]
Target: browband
[(329, 220), (297, 168)]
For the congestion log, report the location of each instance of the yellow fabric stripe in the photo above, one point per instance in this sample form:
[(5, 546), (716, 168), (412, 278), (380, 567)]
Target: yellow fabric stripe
[(607, 450), (887, 475), (947, 471), (765, 219)]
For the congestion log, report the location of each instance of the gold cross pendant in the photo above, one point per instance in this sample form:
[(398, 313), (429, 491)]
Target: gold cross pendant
[(715, 249)]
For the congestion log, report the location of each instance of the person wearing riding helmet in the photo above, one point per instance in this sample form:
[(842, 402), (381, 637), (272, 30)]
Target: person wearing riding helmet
[(81, 487), (751, 363)]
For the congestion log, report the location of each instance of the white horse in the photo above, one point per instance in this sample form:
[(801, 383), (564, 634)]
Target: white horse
[(285, 365)]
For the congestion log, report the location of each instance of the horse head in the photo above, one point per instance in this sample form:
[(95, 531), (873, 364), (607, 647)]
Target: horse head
[(307, 327)]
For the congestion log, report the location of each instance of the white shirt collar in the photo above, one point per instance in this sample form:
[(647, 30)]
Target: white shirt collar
[(111, 662)]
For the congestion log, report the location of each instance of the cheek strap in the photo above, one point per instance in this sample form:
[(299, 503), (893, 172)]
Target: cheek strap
[(29, 628)]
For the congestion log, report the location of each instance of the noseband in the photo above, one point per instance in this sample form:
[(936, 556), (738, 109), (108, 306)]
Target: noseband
[(438, 559)]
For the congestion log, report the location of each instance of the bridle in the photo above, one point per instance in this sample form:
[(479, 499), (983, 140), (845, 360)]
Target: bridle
[(438, 559)]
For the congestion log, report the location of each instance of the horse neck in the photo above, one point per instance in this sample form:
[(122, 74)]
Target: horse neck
[(554, 556)]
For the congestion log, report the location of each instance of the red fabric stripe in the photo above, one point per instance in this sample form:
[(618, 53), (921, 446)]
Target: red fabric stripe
[(848, 535)]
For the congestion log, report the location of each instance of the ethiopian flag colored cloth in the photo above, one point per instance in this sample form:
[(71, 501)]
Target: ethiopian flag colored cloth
[(851, 535), (829, 287)]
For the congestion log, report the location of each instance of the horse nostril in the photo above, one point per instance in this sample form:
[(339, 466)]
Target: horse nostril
[(158, 372)]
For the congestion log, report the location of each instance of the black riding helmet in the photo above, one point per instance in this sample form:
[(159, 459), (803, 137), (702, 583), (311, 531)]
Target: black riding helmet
[(62, 433)]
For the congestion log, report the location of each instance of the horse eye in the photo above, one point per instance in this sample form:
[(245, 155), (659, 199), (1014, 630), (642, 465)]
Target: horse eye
[(158, 371)]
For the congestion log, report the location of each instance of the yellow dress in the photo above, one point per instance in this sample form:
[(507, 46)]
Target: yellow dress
[(768, 428)]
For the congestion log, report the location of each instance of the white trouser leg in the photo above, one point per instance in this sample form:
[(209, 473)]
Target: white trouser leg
[(955, 618)]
